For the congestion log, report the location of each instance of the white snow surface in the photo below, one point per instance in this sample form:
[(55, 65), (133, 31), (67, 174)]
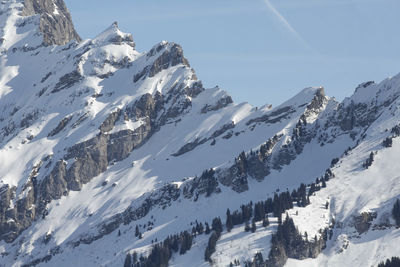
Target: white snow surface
[(30, 72)]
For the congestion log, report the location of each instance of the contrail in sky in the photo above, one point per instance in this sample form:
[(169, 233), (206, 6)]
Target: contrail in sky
[(285, 23)]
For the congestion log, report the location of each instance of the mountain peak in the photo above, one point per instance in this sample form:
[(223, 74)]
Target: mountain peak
[(114, 35), (55, 20), (108, 153), (305, 96)]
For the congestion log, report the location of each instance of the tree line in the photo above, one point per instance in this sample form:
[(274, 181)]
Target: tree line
[(162, 252)]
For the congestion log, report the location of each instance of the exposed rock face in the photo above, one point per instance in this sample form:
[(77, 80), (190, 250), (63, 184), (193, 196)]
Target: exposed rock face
[(67, 81), (171, 56), (55, 21), (190, 146), (6, 227), (118, 39), (363, 222), (197, 142), (109, 123), (63, 123), (274, 116), (89, 159), (223, 102)]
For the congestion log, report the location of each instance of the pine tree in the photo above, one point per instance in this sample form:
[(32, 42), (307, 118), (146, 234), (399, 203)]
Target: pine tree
[(312, 189), (217, 226), (396, 212), (277, 252), (199, 228), (302, 202), (175, 244), (334, 162), (128, 260), (229, 223), (265, 221), (369, 161), (194, 231), (258, 260), (207, 229), (323, 183), (268, 205), (259, 211), (388, 142), (393, 262), (253, 226), (247, 226), (134, 257), (241, 163), (212, 182), (137, 232), (277, 207), (210, 249), (186, 242)]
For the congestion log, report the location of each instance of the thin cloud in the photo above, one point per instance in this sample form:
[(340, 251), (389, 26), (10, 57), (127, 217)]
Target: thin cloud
[(285, 23)]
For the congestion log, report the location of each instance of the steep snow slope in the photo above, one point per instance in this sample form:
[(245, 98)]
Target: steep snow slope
[(49, 111), (357, 190), (97, 138)]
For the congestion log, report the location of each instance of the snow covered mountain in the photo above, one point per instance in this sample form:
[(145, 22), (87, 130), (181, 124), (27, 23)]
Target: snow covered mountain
[(110, 157)]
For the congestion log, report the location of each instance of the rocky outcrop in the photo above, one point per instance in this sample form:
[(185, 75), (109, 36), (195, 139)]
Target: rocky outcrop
[(118, 38), (55, 21), (67, 81), (63, 123), (29, 118), (223, 102), (190, 146), (223, 129), (197, 142), (356, 115), (206, 184), (172, 56), (303, 132), (7, 226), (86, 160), (274, 116), (109, 123), (354, 118), (364, 85), (258, 164), (195, 89), (363, 222)]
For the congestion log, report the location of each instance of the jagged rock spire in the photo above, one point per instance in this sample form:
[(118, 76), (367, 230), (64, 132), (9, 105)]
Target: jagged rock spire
[(55, 21)]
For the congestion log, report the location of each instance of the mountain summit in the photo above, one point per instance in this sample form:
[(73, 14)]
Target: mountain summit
[(114, 157), (52, 17), (55, 20)]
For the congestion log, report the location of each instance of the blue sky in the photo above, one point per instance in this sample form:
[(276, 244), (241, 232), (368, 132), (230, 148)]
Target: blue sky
[(263, 51)]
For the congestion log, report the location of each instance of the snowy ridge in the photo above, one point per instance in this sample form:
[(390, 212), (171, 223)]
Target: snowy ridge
[(97, 138)]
